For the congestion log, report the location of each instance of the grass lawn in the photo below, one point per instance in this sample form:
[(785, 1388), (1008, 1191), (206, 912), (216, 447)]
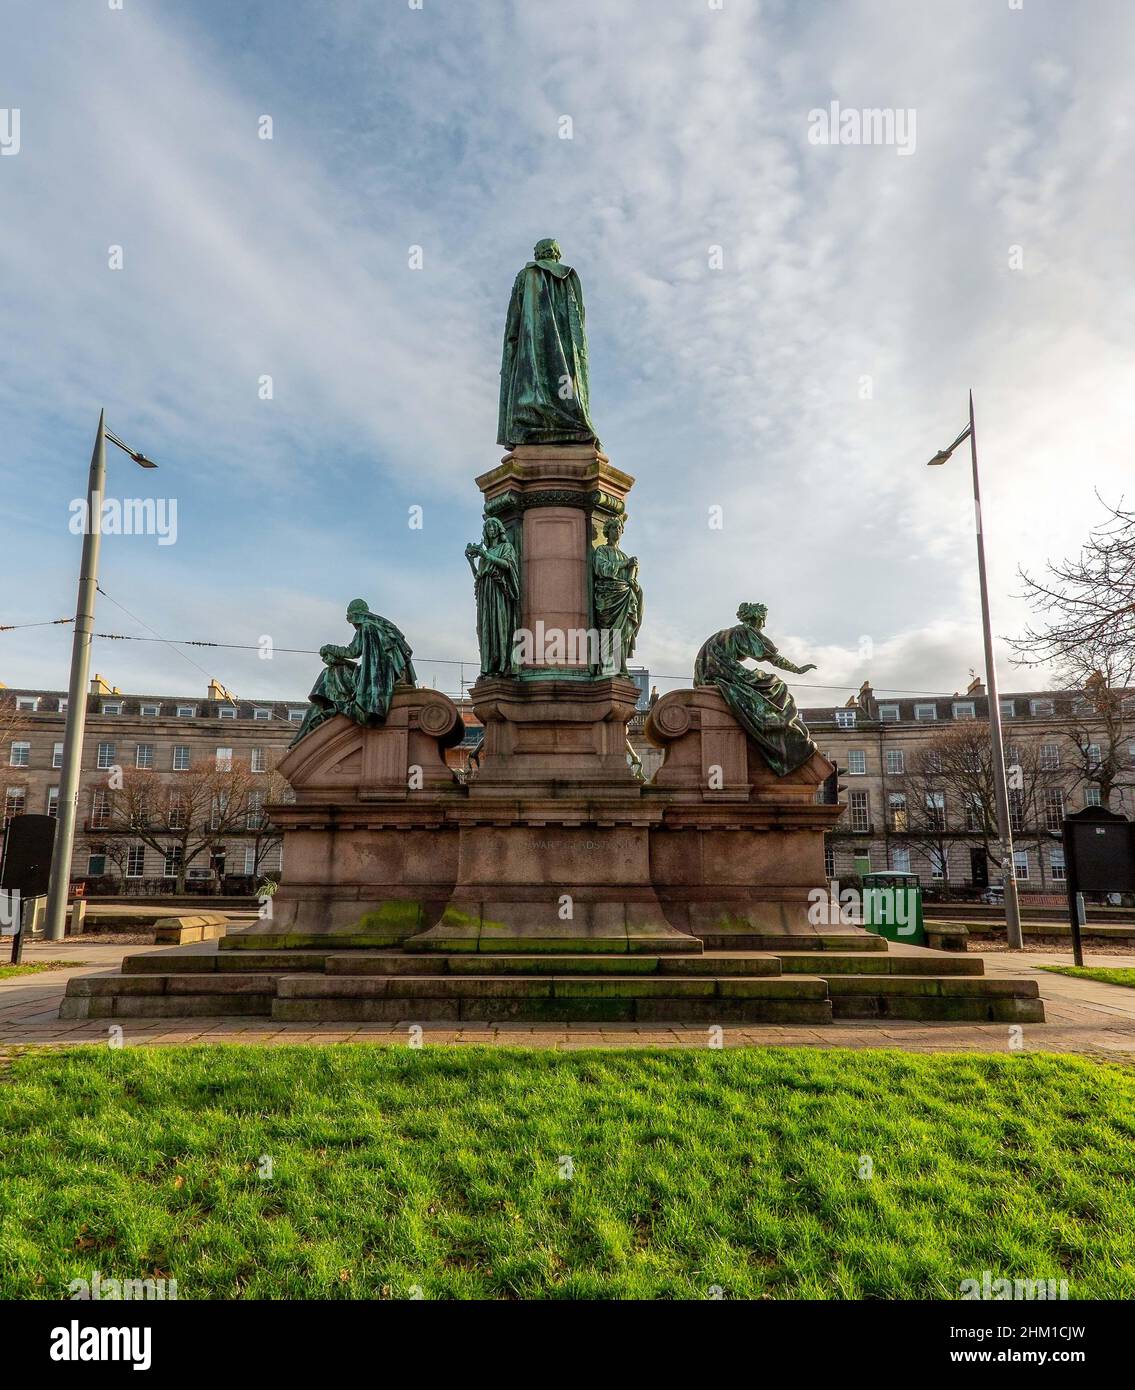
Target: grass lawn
[(1115, 975), (6, 971), (444, 1170)]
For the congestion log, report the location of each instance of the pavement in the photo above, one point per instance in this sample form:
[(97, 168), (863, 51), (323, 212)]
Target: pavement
[(1082, 1017)]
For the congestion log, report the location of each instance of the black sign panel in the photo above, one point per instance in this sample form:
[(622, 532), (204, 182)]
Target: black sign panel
[(1104, 853), (27, 855)]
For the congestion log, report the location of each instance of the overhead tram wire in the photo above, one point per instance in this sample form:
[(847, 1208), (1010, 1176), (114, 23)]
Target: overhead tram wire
[(423, 660)]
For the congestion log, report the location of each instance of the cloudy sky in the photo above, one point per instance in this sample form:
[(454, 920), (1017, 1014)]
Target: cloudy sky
[(798, 378)]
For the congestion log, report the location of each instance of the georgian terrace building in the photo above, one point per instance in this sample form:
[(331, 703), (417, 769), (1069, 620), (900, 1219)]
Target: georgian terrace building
[(164, 736), (876, 742)]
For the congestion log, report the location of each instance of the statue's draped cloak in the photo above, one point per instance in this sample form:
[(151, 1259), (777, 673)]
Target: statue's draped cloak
[(545, 345), (497, 588), (760, 701), (361, 691)]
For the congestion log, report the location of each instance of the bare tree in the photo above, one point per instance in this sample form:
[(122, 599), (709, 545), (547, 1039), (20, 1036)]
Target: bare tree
[(1099, 736), (950, 794), (1085, 607), (206, 803)]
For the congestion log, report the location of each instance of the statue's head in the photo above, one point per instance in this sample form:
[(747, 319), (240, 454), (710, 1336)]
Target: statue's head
[(613, 528), (754, 614), (357, 609), (547, 250), (494, 531)]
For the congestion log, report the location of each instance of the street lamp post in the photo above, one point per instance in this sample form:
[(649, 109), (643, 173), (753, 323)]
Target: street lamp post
[(68, 803), (1000, 788)]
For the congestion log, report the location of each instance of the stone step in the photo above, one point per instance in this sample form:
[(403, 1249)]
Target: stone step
[(795, 941), (476, 964), (168, 996), (936, 998), (487, 998), (875, 963), (198, 963)]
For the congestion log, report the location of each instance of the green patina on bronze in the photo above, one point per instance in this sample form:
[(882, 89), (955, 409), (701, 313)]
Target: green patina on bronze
[(544, 396), (616, 598), (759, 700), (359, 680), (496, 583)]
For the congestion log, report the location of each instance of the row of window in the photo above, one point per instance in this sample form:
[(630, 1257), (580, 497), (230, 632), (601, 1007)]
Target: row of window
[(106, 756), (961, 709), (1023, 861), (894, 759), (135, 862), (16, 804), (31, 704), (977, 815)]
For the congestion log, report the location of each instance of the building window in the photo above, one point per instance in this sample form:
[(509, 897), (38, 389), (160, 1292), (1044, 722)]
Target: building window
[(939, 864), (896, 762), (1042, 709), (1049, 757), (144, 755), (933, 760), (888, 714), (100, 809), (56, 755), (136, 861), (259, 760), (96, 863), (1053, 808), (110, 707), (858, 805), (936, 810), (1056, 866), (226, 712), (27, 702), (178, 818), (53, 801), (181, 757), (1021, 865), (296, 717), (63, 705), (186, 711), (150, 711), (829, 862), (21, 755), (1008, 709), (964, 709), (1092, 796), (1016, 810), (1012, 755), (926, 711), (856, 762), (224, 759), (1092, 753), (254, 817), (106, 755), (249, 861), (261, 713), (900, 859), (975, 812), (15, 802), (896, 811), (174, 855)]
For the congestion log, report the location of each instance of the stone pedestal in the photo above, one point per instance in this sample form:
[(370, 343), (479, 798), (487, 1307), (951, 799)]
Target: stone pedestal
[(554, 499), (369, 857), (737, 849)]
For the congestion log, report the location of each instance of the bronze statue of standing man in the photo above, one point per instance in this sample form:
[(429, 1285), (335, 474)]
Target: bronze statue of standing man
[(544, 395)]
